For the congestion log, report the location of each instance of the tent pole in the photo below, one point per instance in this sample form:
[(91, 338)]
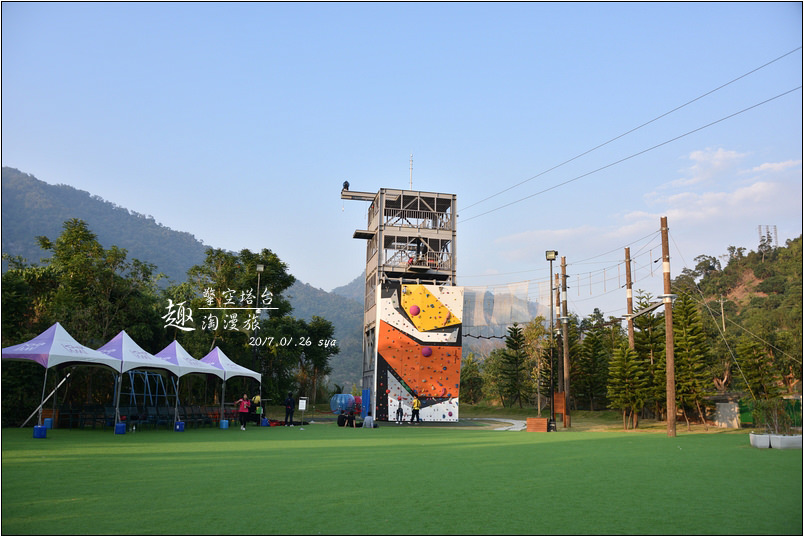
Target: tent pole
[(176, 402), (119, 379), (39, 408), (223, 395), (42, 399)]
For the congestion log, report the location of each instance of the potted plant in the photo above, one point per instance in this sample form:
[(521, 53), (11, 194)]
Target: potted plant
[(773, 416), (759, 439)]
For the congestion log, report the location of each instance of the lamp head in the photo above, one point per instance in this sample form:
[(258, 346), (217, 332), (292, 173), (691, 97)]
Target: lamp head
[(260, 268), (551, 255)]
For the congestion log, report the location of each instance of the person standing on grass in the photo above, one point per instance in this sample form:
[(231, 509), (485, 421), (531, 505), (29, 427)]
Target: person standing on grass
[(243, 405), (290, 403), (417, 405), (399, 413)]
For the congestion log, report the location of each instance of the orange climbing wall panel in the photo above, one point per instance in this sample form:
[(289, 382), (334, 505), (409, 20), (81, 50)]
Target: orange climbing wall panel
[(437, 375)]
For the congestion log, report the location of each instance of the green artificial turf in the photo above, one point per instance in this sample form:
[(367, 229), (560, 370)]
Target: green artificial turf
[(395, 480)]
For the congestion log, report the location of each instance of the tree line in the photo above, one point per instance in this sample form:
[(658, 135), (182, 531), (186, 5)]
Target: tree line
[(96, 292), (737, 329)]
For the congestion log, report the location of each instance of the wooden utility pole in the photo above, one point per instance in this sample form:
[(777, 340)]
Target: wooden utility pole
[(565, 338), (629, 298), (722, 315), (670, 365), (557, 314)]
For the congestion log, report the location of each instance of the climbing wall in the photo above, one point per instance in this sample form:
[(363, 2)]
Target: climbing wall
[(419, 350)]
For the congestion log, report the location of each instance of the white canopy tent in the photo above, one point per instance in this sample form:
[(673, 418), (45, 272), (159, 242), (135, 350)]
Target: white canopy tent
[(217, 358), (53, 347), (179, 358), (132, 356)]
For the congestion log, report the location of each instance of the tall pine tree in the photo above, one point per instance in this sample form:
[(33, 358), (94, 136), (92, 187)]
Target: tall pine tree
[(692, 364), (514, 367), (649, 341), (628, 384), (589, 382)]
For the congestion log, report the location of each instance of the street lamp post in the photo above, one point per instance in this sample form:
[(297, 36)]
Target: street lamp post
[(551, 255), (260, 268)]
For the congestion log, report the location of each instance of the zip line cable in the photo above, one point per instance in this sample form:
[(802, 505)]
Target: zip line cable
[(569, 276), (624, 159), (652, 234), (635, 128), (587, 277)]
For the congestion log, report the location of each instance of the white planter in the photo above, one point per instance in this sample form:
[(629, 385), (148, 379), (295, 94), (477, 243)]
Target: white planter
[(760, 440), (780, 441)]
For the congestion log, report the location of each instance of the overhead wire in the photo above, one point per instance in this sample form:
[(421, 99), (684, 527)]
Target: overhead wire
[(635, 259), (634, 155), (635, 128), (651, 234)]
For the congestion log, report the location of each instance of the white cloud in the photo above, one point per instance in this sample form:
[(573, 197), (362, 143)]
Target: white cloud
[(707, 165), (546, 235), (776, 167), (708, 212)]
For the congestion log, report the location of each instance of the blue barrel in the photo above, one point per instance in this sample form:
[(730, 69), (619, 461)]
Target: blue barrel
[(40, 431), (179, 428), (224, 424), (48, 423), (265, 423), (119, 428)]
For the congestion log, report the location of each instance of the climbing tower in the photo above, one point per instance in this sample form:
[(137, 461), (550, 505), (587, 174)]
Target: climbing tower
[(413, 309)]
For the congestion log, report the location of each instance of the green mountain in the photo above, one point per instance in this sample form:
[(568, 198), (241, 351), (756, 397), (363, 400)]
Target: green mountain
[(346, 316), (354, 290), (31, 208)]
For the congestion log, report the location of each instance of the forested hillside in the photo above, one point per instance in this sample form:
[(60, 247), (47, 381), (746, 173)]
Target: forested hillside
[(752, 311), (354, 290), (33, 208), (346, 315)]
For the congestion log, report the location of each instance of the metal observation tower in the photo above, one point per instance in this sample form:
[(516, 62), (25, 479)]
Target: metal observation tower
[(412, 310)]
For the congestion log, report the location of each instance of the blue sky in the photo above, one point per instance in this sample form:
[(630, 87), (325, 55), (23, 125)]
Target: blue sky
[(239, 123)]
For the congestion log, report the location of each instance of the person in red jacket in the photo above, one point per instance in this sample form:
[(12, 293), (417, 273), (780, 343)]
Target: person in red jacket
[(242, 410)]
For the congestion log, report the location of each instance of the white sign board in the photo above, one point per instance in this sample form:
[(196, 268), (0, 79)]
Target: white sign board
[(302, 403)]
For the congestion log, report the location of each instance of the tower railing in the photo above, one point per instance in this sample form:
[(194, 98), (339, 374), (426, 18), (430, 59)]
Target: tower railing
[(417, 219), (431, 260)]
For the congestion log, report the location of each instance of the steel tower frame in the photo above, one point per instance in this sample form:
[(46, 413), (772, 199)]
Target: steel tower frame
[(411, 238)]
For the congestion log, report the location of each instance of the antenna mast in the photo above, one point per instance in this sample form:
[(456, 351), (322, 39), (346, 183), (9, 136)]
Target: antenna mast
[(411, 171)]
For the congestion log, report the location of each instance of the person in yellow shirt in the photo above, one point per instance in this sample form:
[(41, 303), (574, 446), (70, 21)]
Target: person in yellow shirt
[(417, 405)]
